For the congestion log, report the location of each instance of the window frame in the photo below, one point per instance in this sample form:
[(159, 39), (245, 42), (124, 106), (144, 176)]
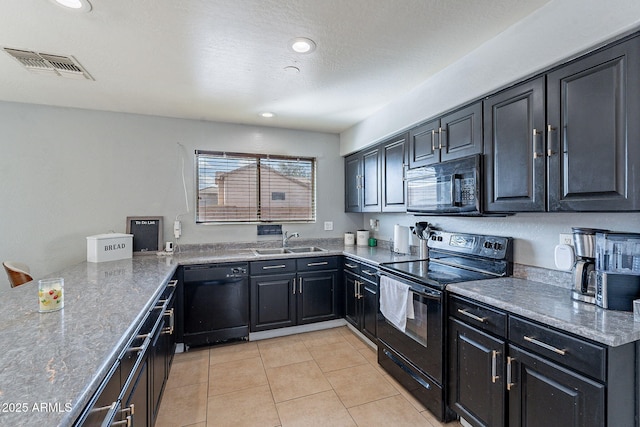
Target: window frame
[(258, 157)]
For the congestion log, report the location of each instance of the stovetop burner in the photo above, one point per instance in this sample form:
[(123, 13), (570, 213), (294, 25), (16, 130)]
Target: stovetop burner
[(456, 257)]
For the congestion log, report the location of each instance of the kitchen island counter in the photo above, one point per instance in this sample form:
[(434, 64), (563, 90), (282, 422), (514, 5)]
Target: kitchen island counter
[(553, 306), (52, 363)]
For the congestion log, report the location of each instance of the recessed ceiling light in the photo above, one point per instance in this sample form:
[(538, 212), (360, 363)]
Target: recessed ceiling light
[(302, 45), (267, 114), (81, 5)]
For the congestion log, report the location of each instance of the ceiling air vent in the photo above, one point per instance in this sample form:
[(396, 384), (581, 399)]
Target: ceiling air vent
[(45, 63)]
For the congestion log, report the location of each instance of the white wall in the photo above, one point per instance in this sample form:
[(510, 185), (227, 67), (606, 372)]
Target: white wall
[(71, 173), (559, 30)]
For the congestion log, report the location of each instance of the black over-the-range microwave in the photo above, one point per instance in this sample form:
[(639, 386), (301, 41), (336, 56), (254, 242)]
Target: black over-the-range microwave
[(447, 188)]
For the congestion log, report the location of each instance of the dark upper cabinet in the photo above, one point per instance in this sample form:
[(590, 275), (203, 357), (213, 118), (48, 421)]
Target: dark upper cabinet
[(457, 134), (514, 168), (593, 139), (362, 181), (394, 160), (423, 148), (461, 132), (352, 176)]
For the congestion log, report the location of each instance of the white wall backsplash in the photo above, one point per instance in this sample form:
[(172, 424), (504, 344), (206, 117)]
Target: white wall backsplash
[(535, 234), (70, 173)]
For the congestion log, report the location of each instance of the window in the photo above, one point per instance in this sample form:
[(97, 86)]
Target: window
[(234, 187)]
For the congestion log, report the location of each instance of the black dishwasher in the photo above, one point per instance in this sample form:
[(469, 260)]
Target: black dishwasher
[(216, 303)]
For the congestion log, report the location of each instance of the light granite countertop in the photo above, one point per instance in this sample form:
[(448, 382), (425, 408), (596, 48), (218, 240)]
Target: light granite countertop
[(59, 359), (553, 306)]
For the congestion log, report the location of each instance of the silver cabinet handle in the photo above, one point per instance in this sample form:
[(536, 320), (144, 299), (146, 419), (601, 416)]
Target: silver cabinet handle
[(536, 140), (433, 140), (510, 361), (269, 267), (172, 283), (471, 315), (494, 366), (169, 329), (294, 287), (300, 284), (125, 422), (545, 345), (350, 265), (313, 264), (368, 273), (440, 132), (550, 151)]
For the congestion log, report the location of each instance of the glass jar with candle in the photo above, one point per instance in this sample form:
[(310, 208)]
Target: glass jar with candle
[(50, 294)]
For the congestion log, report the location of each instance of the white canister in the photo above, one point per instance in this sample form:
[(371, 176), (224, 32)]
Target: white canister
[(363, 238), (349, 239)]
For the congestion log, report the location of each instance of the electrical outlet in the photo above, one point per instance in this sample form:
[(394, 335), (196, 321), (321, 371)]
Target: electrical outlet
[(566, 239), (328, 225)]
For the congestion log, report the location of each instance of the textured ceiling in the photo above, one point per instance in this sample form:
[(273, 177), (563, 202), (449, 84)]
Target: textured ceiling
[(224, 60)]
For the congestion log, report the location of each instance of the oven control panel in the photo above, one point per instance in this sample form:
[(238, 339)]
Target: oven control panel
[(496, 247)]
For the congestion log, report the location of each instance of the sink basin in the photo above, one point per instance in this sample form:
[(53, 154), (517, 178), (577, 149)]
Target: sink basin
[(270, 251), (278, 251), (305, 249)]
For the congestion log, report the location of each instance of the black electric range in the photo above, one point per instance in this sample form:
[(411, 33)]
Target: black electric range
[(414, 354)]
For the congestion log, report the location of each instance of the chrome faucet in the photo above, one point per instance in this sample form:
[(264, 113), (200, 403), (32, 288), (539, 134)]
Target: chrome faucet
[(286, 237)]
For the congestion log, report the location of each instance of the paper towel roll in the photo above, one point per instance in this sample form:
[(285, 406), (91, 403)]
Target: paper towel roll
[(401, 239), (362, 238)]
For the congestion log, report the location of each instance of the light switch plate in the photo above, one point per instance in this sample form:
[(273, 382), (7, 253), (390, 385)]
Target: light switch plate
[(328, 225)]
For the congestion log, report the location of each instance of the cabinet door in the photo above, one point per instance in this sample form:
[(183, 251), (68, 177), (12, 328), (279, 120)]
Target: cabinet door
[(369, 299), (423, 148), (594, 134), (394, 159), (139, 398), (544, 394), (461, 132), (371, 179), (352, 183), (352, 312), (476, 375), (515, 164), (158, 363), (273, 302), (316, 296)]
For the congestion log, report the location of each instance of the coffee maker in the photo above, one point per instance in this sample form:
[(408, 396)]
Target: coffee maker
[(617, 270), (584, 274)]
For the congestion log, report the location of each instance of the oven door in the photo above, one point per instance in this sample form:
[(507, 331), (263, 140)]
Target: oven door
[(421, 343)]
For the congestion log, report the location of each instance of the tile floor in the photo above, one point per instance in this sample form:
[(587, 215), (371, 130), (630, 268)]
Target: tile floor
[(323, 378)]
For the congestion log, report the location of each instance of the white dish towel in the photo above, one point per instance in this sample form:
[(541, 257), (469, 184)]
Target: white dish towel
[(396, 302)]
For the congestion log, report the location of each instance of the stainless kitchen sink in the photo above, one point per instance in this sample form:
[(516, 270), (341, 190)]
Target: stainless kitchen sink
[(306, 249), (277, 251)]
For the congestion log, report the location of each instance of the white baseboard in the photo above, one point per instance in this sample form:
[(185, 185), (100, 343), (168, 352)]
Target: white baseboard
[(282, 332)]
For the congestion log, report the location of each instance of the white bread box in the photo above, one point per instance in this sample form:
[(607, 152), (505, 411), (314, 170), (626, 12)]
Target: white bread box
[(109, 247)]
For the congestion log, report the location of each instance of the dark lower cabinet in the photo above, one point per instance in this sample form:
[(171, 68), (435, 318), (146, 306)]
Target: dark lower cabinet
[(542, 393), (298, 292), (361, 297), (477, 364)]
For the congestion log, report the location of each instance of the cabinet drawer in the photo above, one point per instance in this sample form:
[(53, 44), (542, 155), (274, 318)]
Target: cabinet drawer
[(478, 315), (369, 273), (351, 266), (317, 263), (274, 266), (573, 352)]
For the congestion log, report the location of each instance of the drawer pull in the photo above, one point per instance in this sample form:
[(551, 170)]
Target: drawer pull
[(471, 315), (368, 273), (494, 366), (313, 264), (172, 283), (351, 265), (545, 345), (269, 267), (126, 422), (510, 384)]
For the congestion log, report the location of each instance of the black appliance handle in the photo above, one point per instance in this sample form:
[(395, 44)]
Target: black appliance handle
[(456, 190), (422, 291), (218, 282)]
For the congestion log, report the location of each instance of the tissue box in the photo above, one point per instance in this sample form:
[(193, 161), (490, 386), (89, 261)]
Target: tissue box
[(109, 247)]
